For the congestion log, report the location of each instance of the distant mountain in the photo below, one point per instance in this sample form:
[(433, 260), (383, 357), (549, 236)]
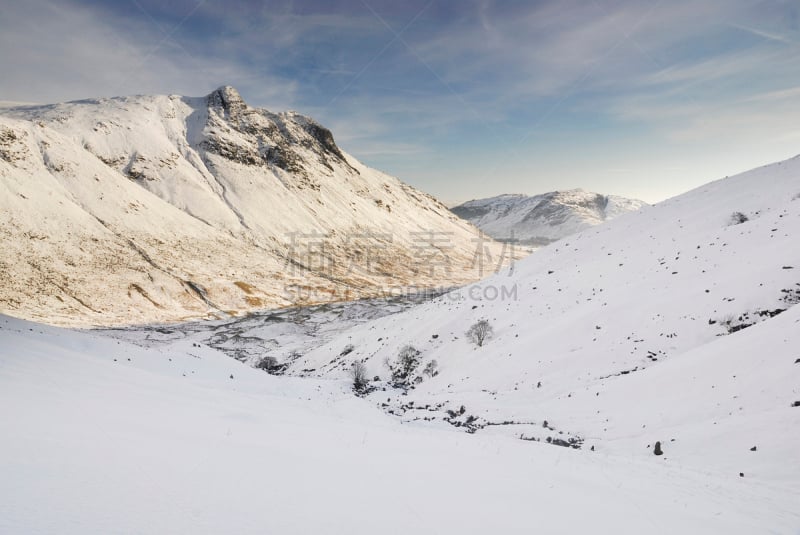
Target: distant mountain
[(162, 208), (542, 219)]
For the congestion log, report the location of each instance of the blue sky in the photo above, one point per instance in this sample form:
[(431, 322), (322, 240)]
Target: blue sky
[(462, 99)]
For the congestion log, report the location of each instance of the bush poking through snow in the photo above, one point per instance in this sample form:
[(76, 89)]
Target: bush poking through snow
[(431, 369), (480, 332), (358, 373), (267, 364), (738, 218), (404, 367)]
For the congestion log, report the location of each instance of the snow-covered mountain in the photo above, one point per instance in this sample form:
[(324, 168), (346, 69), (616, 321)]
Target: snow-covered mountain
[(154, 208), (541, 219), (677, 324)]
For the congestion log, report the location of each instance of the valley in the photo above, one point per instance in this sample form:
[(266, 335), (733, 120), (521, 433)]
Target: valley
[(644, 369)]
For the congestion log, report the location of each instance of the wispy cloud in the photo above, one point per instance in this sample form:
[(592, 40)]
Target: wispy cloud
[(765, 34), (54, 51), (439, 92)]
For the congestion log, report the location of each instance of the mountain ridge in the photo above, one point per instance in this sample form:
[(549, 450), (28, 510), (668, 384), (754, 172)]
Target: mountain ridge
[(537, 220)]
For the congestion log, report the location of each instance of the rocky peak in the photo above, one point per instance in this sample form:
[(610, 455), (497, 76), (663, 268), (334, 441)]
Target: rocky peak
[(255, 136), (228, 99)]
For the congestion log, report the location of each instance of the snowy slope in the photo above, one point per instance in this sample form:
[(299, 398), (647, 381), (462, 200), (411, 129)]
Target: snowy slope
[(104, 437), (674, 324), (541, 219), (154, 208)]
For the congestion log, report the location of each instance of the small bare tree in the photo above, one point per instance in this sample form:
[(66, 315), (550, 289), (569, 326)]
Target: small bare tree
[(404, 367), (737, 218), (358, 373), (431, 369), (480, 332)]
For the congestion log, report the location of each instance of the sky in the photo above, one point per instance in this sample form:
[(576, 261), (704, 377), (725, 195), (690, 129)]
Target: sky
[(461, 98)]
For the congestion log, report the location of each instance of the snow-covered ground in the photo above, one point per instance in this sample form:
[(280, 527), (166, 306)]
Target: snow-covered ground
[(542, 219), (101, 436)]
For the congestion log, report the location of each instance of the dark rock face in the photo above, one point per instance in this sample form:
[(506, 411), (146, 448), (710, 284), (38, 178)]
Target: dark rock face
[(280, 157), (231, 151), (546, 210), (598, 203), (228, 100), (257, 137), (324, 137), (470, 212), (552, 210)]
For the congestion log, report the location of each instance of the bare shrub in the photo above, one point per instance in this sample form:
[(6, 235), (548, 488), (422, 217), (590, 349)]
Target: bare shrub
[(358, 373), (431, 369), (267, 364), (480, 332), (737, 218), (404, 367)]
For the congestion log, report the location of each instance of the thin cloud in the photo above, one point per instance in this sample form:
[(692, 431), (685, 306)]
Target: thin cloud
[(469, 86), (56, 51), (764, 34)]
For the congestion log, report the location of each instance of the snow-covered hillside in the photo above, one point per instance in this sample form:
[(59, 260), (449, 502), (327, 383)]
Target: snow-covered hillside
[(677, 324), (100, 436), (153, 208), (543, 219)]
